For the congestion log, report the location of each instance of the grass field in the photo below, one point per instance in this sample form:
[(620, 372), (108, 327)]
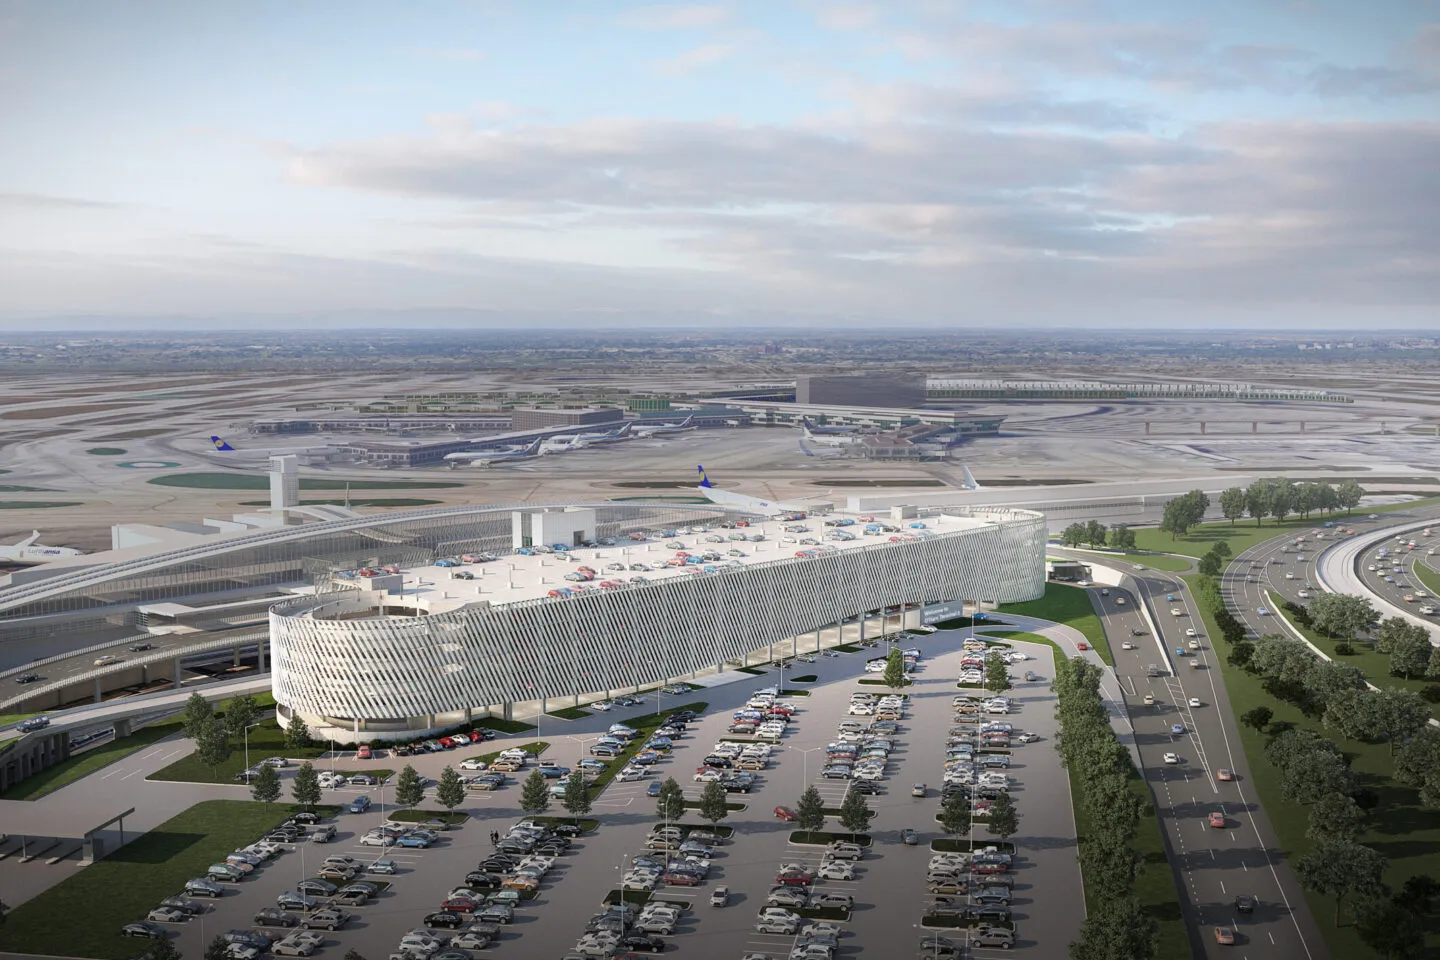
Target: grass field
[(242, 481), (1244, 534), (107, 452), (1158, 561), (37, 504), (1371, 662), (569, 713), (265, 741), (82, 765), (454, 818), (1428, 577), (1400, 828), (6, 718), (1070, 606), (127, 884)]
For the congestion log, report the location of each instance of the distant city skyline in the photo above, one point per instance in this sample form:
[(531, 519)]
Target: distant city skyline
[(1262, 164)]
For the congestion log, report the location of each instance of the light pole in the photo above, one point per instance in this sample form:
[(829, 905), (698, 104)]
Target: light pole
[(805, 762), (246, 735), (581, 754)]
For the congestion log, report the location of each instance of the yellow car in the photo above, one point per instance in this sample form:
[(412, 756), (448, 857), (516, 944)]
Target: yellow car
[(520, 883)]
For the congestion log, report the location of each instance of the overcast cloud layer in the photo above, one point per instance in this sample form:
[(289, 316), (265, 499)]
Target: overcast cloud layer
[(1062, 164)]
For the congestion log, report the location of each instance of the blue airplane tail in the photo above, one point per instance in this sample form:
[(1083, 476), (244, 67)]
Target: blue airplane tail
[(221, 444), (704, 480)]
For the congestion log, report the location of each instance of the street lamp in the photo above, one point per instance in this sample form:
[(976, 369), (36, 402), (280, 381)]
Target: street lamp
[(246, 734), (582, 741), (805, 761)]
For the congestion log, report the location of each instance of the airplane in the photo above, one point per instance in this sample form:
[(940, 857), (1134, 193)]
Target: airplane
[(489, 458), (30, 550), (222, 446), (827, 431), (970, 482), (666, 429), (828, 439), (728, 499), (577, 440), (818, 453)]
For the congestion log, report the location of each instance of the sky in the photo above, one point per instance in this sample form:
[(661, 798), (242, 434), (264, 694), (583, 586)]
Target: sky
[(1150, 164)]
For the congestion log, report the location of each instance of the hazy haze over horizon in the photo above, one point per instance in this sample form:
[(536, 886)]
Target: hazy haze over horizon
[(1039, 163)]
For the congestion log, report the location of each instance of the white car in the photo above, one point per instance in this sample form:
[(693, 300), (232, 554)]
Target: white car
[(474, 763), (302, 943), (106, 660), (632, 773), (1194, 701), (1190, 632), (1127, 645), (836, 870), (603, 706), (1172, 758)]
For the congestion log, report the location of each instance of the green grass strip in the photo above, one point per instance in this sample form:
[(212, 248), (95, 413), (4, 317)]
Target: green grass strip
[(242, 481), (83, 764), (1070, 606), (267, 740), (453, 818), (569, 713), (643, 727), (131, 881), (1244, 534), (754, 671)]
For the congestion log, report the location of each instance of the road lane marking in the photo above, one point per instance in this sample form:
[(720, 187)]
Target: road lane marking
[(129, 775)]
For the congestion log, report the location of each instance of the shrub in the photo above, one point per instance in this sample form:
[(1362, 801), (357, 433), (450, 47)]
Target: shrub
[(1344, 650), (1431, 693)]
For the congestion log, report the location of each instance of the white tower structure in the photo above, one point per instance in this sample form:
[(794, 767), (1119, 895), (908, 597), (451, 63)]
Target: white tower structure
[(285, 486)]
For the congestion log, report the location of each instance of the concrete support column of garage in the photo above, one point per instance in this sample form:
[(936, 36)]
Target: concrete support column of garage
[(236, 653), (177, 673), (98, 696), (260, 648)]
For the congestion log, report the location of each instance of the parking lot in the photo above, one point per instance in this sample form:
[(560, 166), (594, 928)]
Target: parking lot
[(888, 885)]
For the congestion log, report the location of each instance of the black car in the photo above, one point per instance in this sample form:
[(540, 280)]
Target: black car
[(192, 907), (718, 763), (31, 678), (642, 941), (275, 917), (993, 914), (736, 786), (306, 817), (481, 880), (144, 928), (551, 849), (444, 918), (866, 787), (141, 647), (1245, 903), (317, 888), (568, 830), (404, 751), (498, 862)]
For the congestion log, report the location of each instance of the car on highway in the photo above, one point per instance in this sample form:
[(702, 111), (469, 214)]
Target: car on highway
[(1172, 758), (1195, 701), (1225, 936), (1224, 774), (1177, 729), (1217, 820)]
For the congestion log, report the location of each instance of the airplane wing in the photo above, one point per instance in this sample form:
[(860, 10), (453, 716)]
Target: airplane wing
[(30, 540)]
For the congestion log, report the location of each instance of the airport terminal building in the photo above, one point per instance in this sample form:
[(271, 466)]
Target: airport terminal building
[(422, 646)]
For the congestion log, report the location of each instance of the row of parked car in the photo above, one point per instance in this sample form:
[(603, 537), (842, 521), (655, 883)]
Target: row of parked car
[(319, 899)]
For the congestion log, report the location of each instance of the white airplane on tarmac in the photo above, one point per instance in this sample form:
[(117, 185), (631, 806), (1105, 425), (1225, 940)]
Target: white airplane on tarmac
[(31, 550), (491, 458), (665, 430), (727, 499)]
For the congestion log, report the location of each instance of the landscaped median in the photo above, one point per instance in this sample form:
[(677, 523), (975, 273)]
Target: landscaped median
[(266, 740), (82, 915), (643, 726), (449, 817), (1070, 606)]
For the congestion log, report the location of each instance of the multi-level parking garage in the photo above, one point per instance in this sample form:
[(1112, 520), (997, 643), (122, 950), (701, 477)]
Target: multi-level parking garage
[(437, 649), (376, 663)]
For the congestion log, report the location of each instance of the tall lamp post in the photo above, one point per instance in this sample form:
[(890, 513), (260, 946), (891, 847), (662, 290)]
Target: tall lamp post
[(805, 762), (246, 735), (581, 754)]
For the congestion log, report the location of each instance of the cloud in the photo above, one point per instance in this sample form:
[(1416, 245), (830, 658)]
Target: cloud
[(848, 16), (40, 201), (662, 16), (457, 54), (1370, 83), (695, 59)]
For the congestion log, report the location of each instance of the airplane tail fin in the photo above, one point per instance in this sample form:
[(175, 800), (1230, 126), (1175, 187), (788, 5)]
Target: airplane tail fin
[(220, 444), (806, 450), (704, 480), (970, 482)]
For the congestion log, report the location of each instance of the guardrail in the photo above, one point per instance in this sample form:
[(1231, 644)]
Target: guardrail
[(83, 651), (160, 656)]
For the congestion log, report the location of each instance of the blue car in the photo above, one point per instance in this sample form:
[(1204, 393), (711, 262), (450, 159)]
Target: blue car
[(552, 773), (1177, 728), (411, 840), (654, 789), (1170, 597)]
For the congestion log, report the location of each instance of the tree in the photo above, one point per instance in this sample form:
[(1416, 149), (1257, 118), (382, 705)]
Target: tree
[(1417, 893), (1349, 494), (1257, 500), (1221, 549), (1116, 930), (535, 794), (1399, 715), (212, 744), (671, 803), (306, 788), (810, 812), (714, 803), (1340, 869), (1410, 657), (1232, 504), (1329, 679), (1288, 745), (1282, 499), (1394, 629), (408, 788), (450, 791), (895, 669), (1122, 538), (855, 813), (1284, 663), (1341, 616), (266, 788), (576, 799), (1241, 652), (297, 733), (1314, 774), (1354, 714), (239, 713), (1073, 535), (1432, 672), (955, 814), (1003, 821), (1210, 565), (197, 711), (1258, 718), (1095, 533), (1335, 817), (1418, 758), (1388, 928), (1174, 519), (218, 949), (4, 909), (997, 675)]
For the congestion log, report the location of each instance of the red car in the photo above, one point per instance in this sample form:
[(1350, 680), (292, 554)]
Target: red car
[(1217, 820), (986, 868), (1082, 645), (477, 736), (447, 742), (682, 879), (786, 814), (795, 878), (362, 753), (460, 905)]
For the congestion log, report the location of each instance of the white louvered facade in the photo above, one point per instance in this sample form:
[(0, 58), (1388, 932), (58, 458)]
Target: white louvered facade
[(342, 665)]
